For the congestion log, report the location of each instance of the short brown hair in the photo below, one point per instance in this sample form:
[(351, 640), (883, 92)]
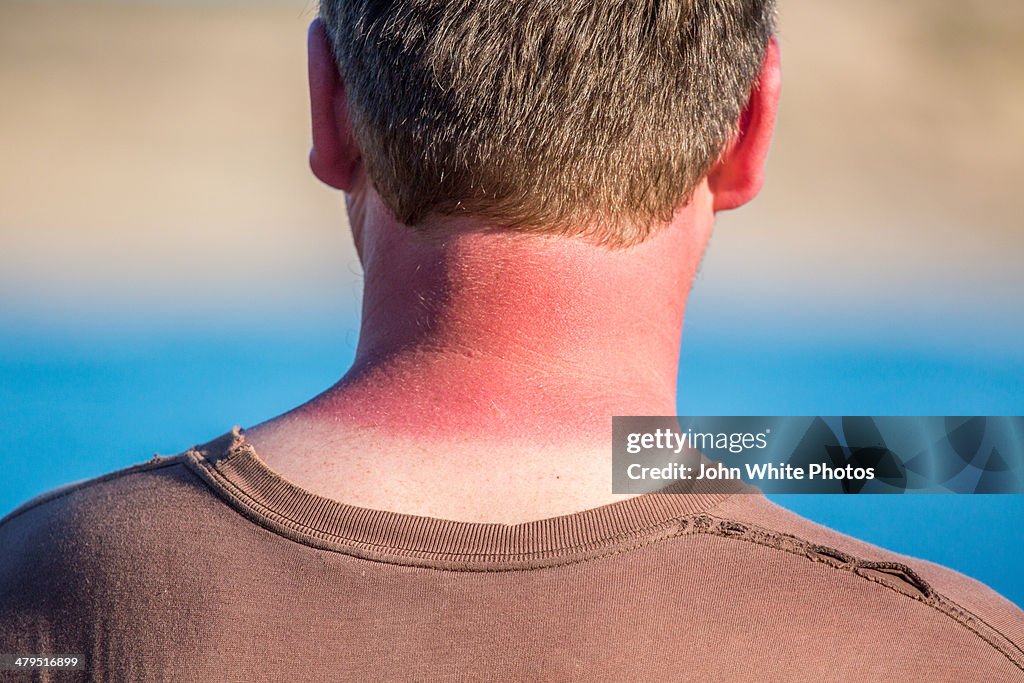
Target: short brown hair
[(595, 117)]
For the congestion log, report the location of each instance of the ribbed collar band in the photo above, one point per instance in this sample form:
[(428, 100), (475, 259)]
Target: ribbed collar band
[(231, 466)]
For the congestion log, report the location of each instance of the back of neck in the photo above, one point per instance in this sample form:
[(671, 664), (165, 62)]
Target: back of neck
[(497, 342)]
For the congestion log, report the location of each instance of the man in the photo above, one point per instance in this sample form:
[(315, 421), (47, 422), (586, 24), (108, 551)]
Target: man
[(530, 187)]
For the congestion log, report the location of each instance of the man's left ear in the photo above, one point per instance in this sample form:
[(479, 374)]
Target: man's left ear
[(739, 174), (335, 155)]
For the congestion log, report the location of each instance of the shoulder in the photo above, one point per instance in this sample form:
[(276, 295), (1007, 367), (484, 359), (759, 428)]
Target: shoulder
[(91, 563), (133, 496), (936, 606), (141, 496), (104, 532), (64, 530), (87, 494)]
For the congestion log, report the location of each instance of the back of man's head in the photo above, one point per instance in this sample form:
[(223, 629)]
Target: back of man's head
[(591, 117)]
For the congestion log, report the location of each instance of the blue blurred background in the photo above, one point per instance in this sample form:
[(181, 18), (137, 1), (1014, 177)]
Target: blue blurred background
[(169, 268)]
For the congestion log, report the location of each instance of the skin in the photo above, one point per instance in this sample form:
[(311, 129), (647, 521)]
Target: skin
[(490, 363)]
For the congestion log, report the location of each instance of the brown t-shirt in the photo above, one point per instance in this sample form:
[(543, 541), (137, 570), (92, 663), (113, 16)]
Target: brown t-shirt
[(207, 566)]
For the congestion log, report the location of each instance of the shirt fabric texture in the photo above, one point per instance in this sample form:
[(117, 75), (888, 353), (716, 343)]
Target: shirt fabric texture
[(208, 566)]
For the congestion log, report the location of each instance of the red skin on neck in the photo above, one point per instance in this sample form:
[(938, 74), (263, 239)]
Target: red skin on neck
[(496, 335)]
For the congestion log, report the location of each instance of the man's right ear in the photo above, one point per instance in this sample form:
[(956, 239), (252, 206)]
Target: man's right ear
[(335, 156)]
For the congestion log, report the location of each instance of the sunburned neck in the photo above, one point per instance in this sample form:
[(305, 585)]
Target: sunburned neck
[(496, 334), (483, 339)]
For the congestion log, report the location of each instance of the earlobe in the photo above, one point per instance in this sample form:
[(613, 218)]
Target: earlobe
[(335, 155), (738, 176)]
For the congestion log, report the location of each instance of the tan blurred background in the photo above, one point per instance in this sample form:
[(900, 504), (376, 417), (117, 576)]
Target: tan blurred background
[(153, 163)]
